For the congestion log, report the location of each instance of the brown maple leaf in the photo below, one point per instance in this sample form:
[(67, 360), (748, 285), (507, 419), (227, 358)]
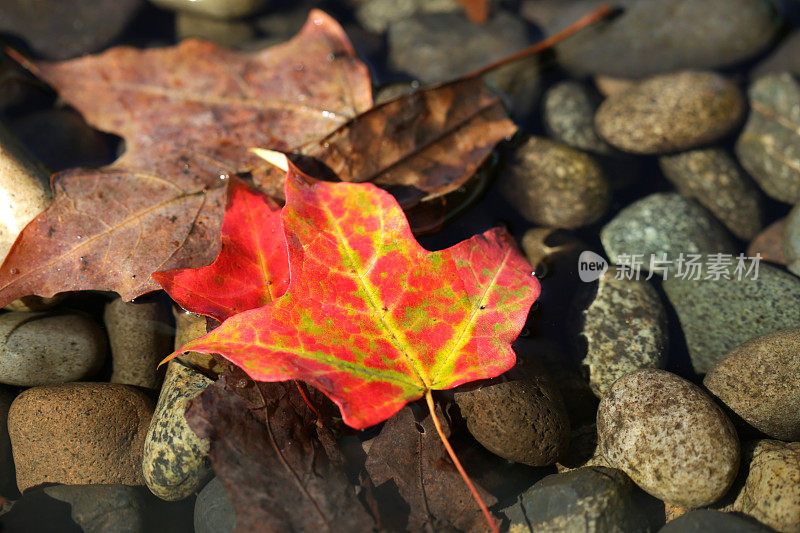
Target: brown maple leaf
[(188, 114)]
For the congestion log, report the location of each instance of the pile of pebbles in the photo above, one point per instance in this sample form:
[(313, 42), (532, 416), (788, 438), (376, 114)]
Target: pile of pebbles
[(644, 399)]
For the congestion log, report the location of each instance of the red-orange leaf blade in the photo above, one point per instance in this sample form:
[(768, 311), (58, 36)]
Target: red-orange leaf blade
[(371, 318), (252, 268)]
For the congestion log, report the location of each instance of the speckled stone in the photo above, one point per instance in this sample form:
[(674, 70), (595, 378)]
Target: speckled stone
[(664, 223), (140, 337), (213, 511), (221, 9), (760, 381), (771, 492), (669, 436), (670, 112), (708, 521), (522, 420), (79, 433), (175, 462), (714, 179), (552, 184), (43, 349), (791, 240), (769, 243), (625, 328), (589, 499), (655, 36), (718, 315), (569, 109), (769, 146)]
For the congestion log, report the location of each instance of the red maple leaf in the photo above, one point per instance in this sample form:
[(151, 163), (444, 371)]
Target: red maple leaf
[(252, 268)]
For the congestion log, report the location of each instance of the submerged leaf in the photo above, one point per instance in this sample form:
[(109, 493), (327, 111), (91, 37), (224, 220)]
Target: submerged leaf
[(371, 318), (272, 465)]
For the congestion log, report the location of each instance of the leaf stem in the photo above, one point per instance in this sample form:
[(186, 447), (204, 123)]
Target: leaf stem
[(464, 476), (587, 20)]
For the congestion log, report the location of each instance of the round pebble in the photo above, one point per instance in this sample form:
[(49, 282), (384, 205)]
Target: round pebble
[(175, 462), (665, 35), (625, 328), (771, 492), (79, 433), (760, 381), (522, 420), (769, 146), (552, 184), (708, 521), (140, 337), (42, 349), (713, 178), (670, 112), (769, 243), (24, 189), (716, 315), (221, 9), (213, 511), (663, 223), (791, 240), (569, 110), (589, 499), (669, 436)]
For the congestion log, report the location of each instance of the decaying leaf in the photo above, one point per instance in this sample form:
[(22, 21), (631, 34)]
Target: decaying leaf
[(188, 114), (371, 318), (271, 463), (476, 10), (252, 268), (418, 146), (418, 487)]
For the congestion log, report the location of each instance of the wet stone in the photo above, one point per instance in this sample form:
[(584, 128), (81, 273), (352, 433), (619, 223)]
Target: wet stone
[(716, 315), (107, 508), (663, 223), (67, 28), (769, 243), (784, 58), (554, 185), (625, 329), (708, 521), (669, 436), (220, 9), (791, 240), (43, 349), (213, 511), (229, 33), (522, 420), (176, 462), (377, 15), (670, 112), (713, 178), (760, 381), (139, 334), (771, 492), (441, 47), (769, 146), (24, 188), (569, 109), (79, 433), (669, 35), (588, 499)]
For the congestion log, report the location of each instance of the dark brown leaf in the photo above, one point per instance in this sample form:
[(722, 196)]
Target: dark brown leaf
[(418, 146), (188, 114), (277, 474), (415, 480)]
